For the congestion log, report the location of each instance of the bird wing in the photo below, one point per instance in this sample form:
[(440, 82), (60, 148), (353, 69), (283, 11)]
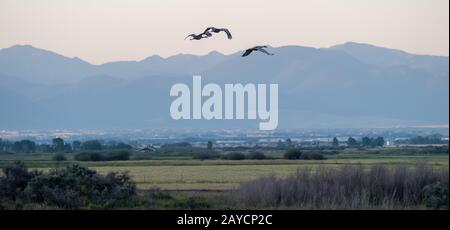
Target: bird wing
[(207, 34), (190, 35), (247, 52), (208, 29), (264, 51), (259, 47), (227, 32)]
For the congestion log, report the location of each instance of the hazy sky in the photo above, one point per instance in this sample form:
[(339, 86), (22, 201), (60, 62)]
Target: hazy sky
[(108, 30)]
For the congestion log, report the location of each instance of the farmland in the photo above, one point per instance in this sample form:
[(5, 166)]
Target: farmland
[(190, 174), (174, 178)]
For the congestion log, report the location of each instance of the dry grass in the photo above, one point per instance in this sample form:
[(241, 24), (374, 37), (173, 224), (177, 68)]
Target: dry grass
[(350, 187), (225, 174)]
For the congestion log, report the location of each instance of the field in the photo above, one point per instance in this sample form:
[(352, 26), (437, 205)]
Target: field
[(197, 175)]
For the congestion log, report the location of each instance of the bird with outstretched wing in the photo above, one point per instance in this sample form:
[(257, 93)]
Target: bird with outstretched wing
[(218, 30), (256, 48)]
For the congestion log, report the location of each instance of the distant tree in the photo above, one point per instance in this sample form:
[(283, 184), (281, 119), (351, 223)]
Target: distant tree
[(122, 145), (373, 142), (312, 156), (378, 142), (366, 141), (335, 142), (289, 143), (210, 145), (76, 145), (432, 139), (24, 146), (59, 157), (352, 142), (177, 145), (89, 156), (91, 145), (234, 156), (118, 156), (16, 147), (281, 145), (45, 148), (206, 156), (58, 144), (28, 146), (292, 154), (256, 156)]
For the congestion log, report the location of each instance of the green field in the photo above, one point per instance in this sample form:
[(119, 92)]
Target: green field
[(223, 174)]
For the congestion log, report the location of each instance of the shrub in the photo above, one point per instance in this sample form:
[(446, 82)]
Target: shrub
[(349, 187), (15, 180), (436, 195), (108, 156), (312, 156), (89, 156), (72, 187), (118, 156), (155, 198), (91, 145), (59, 157), (256, 156), (234, 156), (123, 146), (206, 156), (75, 187), (292, 154)]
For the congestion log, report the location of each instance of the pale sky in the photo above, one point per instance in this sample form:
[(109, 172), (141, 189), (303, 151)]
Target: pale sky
[(109, 30)]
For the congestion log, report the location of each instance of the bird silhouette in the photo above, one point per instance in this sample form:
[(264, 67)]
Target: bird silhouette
[(211, 29), (198, 36), (208, 33), (256, 48)]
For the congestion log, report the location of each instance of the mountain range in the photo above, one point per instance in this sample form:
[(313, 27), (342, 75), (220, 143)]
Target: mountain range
[(350, 85)]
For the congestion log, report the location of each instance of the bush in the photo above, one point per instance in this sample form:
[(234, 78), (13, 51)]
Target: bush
[(256, 156), (118, 156), (206, 156), (234, 156), (98, 156), (312, 156), (155, 198), (71, 187), (59, 157), (123, 146), (89, 156), (292, 154), (91, 145), (15, 180), (75, 187), (436, 195)]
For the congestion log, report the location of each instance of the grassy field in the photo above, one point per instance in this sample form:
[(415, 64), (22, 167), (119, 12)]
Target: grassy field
[(223, 174), (220, 174)]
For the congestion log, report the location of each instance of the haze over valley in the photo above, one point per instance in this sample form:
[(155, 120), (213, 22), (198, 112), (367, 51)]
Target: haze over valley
[(350, 85)]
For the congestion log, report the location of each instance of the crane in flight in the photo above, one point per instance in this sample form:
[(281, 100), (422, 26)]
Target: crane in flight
[(211, 29), (256, 48), (208, 33), (198, 36)]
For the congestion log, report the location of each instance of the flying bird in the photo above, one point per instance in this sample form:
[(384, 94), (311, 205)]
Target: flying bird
[(211, 29), (208, 33), (198, 36), (256, 48)]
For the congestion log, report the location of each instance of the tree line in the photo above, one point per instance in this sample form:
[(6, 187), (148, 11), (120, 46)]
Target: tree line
[(58, 145)]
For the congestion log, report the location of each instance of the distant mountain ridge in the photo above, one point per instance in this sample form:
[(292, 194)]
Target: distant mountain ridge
[(347, 85)]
